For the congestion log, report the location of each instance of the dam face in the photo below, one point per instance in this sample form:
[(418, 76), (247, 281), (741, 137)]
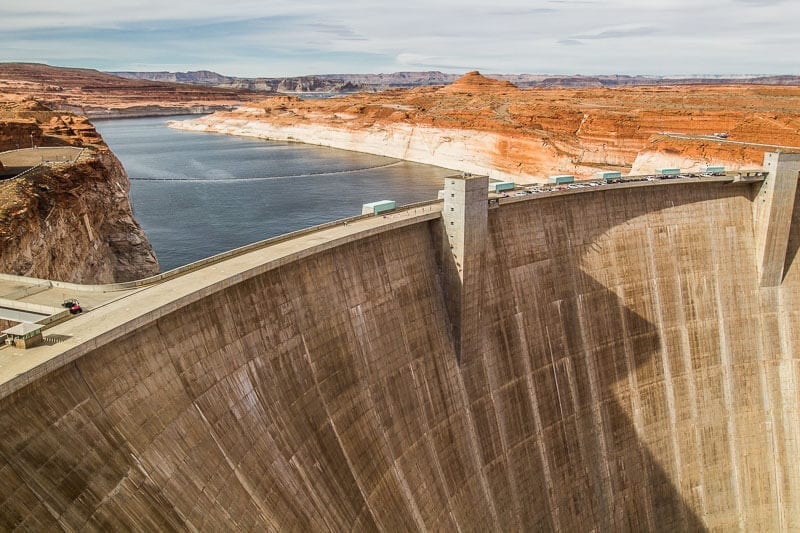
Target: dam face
[(630, 374)]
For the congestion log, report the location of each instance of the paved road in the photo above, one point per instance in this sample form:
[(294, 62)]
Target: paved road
[(726, 141), (130, 309), (28, 157)]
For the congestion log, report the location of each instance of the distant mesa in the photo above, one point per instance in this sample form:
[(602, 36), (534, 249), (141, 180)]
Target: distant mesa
[(96, 94), (474, 81)]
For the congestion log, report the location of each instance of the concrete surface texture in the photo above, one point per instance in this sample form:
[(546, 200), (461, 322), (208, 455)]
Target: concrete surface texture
[(463, 259), (631, 374), (772, 210)]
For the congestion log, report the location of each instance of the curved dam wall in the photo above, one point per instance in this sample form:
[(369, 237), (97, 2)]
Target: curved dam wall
[(631, 375)]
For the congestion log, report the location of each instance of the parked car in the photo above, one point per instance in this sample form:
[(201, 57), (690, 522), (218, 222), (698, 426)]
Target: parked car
[(73, 305)]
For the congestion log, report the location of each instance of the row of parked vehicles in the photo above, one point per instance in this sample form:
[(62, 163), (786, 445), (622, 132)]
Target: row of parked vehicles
[(545, 188)]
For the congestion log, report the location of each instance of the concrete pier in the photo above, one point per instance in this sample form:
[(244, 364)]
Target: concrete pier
[(772, 210), (464, 217)]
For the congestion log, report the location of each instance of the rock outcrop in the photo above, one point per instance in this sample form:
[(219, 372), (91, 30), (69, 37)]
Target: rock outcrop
[(488, 126), (68, 221), (474, 82), (73, 222)]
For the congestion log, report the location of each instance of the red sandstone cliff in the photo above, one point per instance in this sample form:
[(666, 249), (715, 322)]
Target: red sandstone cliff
[(480, 124), (68, 221)]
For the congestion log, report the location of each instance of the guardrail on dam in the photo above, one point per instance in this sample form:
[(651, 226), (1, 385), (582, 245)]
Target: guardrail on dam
[(631, 364)]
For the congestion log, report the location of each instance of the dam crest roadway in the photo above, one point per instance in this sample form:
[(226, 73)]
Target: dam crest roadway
[(617, 357)]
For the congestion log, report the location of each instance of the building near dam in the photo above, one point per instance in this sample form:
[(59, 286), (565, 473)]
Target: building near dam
[(622, 357)]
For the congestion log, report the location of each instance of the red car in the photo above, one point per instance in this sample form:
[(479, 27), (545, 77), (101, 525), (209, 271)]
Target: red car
[(73, 306)]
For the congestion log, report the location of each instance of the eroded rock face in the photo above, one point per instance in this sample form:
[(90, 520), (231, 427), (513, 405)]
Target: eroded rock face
[(69, 221), (489, 126), (73, 222)]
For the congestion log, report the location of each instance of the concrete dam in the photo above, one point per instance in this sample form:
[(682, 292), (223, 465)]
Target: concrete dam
[(615, 358)]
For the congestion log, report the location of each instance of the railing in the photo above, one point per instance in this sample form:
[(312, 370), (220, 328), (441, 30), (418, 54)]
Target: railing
[(26, 172), (44, 163), (552, 189), (45, 149), (202, 263)]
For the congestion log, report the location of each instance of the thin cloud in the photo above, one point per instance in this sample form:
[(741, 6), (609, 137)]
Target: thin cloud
[(432, 62), (619, 33), (286, 37), (571, 42), (525, 11), (338, 31)]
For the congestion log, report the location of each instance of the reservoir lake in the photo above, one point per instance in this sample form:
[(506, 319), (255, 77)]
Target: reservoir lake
[(199, 194)]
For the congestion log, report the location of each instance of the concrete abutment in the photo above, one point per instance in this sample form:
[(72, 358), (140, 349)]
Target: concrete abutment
[(464, 219), (772, 212)]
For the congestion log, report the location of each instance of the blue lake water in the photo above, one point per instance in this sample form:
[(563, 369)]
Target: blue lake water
[(199, 194)]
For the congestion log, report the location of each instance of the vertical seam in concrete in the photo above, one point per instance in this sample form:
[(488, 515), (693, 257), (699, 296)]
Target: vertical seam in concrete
[(473, 442), (666, 364), (594, 407), (501, 426), (727, 392), (666, 368), (787, 375), (431, 449), (575, 406), (236, 472), (537, 421), (638, 424), (771, 435), (686, 350), (131, 450), (364, 497), (540, 445), (360, 330), (786, 350)]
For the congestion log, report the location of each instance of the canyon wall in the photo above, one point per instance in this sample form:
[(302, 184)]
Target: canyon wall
[(66, 221), (486, 126), (464, 150), (631, 375), (73, 222)]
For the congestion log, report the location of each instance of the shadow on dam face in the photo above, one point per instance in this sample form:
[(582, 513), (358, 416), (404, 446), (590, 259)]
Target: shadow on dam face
[(631, 376), (794, 236), (569, 355), (594, 467)]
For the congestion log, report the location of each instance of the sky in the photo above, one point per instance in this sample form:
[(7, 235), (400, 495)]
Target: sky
[(278, 38)]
